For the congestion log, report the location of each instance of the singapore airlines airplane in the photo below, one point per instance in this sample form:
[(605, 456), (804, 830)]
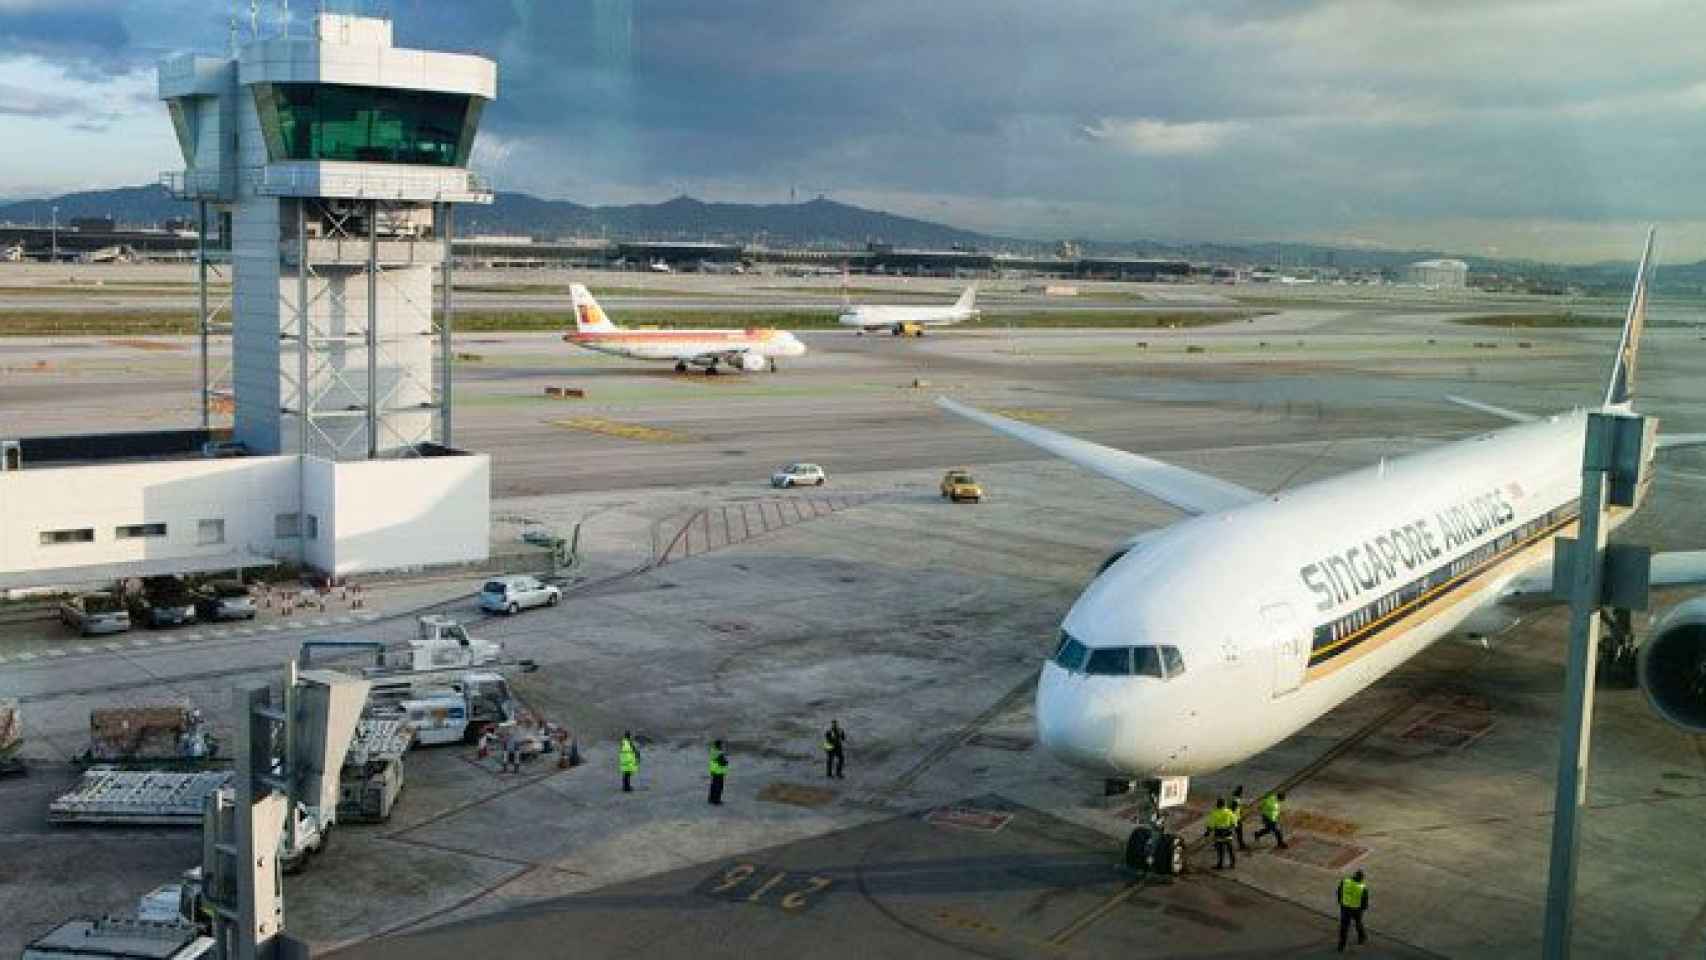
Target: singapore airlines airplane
[(751, 350), (909, 319), (1207, 642)]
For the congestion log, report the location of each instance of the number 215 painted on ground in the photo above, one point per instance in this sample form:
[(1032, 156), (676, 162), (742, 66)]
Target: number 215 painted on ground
[(753, 883)]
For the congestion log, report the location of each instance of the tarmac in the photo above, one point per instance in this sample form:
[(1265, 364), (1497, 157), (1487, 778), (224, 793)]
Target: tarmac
[(713, 606)]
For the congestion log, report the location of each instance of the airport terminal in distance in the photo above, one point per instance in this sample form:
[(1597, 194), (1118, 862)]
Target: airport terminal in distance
[(534, 598)]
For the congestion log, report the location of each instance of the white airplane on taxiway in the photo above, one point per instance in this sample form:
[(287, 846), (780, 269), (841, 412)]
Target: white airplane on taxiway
[(1205, 643), (909, 319)]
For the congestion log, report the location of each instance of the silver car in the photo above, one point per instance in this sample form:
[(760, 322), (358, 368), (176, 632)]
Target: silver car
[(93, 613), (514, 594), (798, 475), (225, 600)]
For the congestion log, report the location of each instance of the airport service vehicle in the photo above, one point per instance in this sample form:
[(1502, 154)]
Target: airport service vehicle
[(372, 775), (94, 613), (117, 938), (958, 485), (443, 709), (904, 320), (11, 738), (441, 642), (799, 475), (513, 594), (224, 600), (162, 602), (750, 350), (1207, 642)]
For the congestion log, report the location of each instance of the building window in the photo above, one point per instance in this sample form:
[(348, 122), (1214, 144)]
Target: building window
[(313, 527), (209, 532), (284, 526), (140, 531), (52, 537)]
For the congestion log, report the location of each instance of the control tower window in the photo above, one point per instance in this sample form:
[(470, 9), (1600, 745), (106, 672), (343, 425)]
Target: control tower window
[(324, 121)]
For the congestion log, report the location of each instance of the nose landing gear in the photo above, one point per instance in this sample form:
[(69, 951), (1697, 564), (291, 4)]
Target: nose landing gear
[(1151, 849)]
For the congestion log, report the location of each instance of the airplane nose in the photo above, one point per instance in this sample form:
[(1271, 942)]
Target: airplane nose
[(1069, 725)]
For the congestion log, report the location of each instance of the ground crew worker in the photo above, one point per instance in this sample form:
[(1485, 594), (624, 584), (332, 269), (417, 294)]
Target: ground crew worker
[(1221, 822), (1236, 805), (1270, 807), (512, 750), (628, 758), (719, 767), (834, 750), (1353, 900)]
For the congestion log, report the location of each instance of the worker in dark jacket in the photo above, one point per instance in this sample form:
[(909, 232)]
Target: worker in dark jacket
[(835, 751), (719, 767), (1236, 805), (1353, 903)]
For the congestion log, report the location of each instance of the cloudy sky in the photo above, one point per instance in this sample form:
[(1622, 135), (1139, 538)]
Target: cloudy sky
[(1540, 128)]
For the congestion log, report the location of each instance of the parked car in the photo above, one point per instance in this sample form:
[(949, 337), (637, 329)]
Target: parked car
[(959, 485), (224, 600), (93, 613), (220, 449), (798, 475), (514, 594), (162, 602)]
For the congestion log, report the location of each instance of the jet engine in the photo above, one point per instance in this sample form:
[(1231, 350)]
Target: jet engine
[(752, 362), (1671, 666)]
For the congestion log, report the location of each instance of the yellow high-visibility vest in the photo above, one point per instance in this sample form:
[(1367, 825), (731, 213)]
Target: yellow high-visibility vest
[(1351, 893)]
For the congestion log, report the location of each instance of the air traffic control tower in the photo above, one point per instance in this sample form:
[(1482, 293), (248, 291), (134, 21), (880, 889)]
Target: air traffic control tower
[(331, 162)]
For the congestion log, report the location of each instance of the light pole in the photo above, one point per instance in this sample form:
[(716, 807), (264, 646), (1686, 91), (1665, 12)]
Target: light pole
[(54, 256)]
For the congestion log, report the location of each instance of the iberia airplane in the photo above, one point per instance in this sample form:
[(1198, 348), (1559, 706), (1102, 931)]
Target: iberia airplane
[(1204, 643), (751, 350)]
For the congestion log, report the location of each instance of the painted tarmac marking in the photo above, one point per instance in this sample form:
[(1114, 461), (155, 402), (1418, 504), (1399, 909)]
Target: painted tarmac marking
[(272, 628), (112, 646), (190, 637), (85, 650), (321, 622), (56, 653), (344, 620), (26, 657), (141, 642), (296, 625)]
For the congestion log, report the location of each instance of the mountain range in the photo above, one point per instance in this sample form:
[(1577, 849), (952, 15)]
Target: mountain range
[(827, 224)]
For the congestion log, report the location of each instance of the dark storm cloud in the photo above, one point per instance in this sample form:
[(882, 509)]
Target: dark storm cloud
[(85, 36), (1231, 118)]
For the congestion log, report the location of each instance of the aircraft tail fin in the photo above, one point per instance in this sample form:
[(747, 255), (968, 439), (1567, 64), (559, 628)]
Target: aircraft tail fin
[(589, 316), (1620, 391), (968, 299)]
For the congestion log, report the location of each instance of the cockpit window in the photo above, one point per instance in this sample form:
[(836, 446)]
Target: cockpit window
[(1160, 662), (1109, 662), (1071, 654), (1146, 661), (1173, 660)]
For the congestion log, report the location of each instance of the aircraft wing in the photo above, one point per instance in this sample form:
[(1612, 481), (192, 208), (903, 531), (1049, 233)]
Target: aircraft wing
[(1676, 568), (1505, 412), (1670, 441), (1187, 490)]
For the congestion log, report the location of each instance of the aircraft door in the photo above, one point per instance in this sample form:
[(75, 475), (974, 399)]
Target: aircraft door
[(1290, 645)]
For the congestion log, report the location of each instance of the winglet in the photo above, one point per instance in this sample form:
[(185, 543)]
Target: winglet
[(1620, 391)]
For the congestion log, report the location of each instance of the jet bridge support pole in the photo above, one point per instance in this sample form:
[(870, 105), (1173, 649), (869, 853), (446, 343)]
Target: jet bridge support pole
[(1617, 450)]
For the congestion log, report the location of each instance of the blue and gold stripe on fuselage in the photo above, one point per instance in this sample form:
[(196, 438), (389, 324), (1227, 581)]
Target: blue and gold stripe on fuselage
[(1373, 624)]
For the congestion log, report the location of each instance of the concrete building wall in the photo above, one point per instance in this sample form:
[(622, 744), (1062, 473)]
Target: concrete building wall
[(363, 515), (395, 514), (243, 495)]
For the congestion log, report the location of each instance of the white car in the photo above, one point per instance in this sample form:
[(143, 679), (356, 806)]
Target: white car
[(516, 593), (93, 613), (798, 475)]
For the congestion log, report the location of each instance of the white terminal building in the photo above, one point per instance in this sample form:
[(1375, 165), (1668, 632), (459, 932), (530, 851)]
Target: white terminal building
[(328, 164), (1438, 273)]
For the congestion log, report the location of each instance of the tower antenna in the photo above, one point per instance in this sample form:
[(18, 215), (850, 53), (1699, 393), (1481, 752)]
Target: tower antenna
[(284, 17), (254, 19)]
